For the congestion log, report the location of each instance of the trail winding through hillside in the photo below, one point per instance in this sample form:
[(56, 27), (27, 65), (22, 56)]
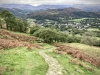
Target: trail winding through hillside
[(54, 67)]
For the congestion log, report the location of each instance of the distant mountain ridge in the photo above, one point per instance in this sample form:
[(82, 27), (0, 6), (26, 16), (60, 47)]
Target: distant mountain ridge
[(88, 7), (84, 7), (18, 6), (77, 10), (63, 13)]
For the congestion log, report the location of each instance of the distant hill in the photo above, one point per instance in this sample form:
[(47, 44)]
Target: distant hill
[(77, 10), (18, 6), (46, 7), (18, 12), (84, 7), (88, 7), (30, 7), (64, 13)]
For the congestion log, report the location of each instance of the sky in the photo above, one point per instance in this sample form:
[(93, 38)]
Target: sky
[(40, 2)]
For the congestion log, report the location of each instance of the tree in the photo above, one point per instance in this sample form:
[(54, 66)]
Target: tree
[(50, 36), (13, 23), (35, 28), (73, 39), (63, 27), (20, 25), (1, 21), (8, 17)]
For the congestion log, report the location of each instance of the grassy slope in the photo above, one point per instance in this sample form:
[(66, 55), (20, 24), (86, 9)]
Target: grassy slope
[(89, 50), (73, 69), (20, 61)]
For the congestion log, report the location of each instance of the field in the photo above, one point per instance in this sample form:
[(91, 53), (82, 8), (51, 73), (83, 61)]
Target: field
[(77, 20), (93, 29), (21, 61)]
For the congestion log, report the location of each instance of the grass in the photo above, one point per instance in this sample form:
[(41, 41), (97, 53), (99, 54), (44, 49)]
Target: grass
[(70, 68), (77, 20), (20, 61), (93, 29), (89, 50)]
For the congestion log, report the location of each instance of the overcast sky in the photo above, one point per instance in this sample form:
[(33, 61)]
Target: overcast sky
[(39, 2)]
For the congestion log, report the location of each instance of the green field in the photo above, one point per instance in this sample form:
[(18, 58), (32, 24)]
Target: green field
[(93, 29), (77, 20), (20, 61)]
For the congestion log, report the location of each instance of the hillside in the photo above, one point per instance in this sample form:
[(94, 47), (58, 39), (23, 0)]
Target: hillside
[(88, 7), (19, 54), (12, 40), (66, 12)]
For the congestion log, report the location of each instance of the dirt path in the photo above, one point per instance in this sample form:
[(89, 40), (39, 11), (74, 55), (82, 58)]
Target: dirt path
[(54, 67)]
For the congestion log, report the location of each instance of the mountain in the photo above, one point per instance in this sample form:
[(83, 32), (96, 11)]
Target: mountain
[(30, 7), (18, 6), (17, 12), (84, 7), (65, 12), (88, 7), (46, 7), (76, 10)]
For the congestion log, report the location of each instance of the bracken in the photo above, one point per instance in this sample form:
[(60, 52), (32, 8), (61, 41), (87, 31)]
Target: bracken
[(78, 54)]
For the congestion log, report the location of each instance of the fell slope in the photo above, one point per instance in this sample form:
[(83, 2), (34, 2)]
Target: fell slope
[(12, 40)]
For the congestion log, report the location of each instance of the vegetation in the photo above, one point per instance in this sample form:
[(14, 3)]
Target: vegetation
[(19, 54), (50, 36), (20, 61), (73, 39), (12, 23), (35, 28), (12, 36), (72, 66), (90, 39), (89, 50)]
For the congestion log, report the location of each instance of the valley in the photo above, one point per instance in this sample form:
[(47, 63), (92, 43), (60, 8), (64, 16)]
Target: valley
[(50, 39)]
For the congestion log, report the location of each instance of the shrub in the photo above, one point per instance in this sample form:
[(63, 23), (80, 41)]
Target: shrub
[(73, 39), (89, 39), (35, 28), (50, 36)]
